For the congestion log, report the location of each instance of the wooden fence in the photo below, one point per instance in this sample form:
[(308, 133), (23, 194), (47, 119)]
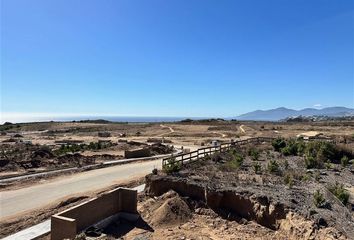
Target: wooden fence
[(184, 158)]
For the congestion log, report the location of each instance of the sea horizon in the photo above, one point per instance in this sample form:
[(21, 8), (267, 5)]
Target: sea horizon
[(124, 119)]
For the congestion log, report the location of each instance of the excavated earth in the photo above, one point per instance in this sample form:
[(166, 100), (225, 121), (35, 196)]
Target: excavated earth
[(285, 213)]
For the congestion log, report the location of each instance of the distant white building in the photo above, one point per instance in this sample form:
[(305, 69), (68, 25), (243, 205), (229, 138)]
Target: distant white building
[(310, 134), (215, 143)]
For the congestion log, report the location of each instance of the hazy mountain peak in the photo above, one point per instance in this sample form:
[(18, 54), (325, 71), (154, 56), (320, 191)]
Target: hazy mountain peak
[(283, 112)]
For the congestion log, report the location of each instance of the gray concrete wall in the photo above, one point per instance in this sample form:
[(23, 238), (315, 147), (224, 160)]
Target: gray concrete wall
[(67, 224)]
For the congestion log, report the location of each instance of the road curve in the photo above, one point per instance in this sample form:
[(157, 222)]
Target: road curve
[(242, 129), (17, 201)]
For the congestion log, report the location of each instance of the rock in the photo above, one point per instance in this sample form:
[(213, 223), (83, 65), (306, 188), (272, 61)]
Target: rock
[(312, 212), (93, 232), (243, 221), (322, 222)]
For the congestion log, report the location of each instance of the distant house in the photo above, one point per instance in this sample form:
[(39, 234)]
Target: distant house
[(27, 142), (215, 143), (308, 135)]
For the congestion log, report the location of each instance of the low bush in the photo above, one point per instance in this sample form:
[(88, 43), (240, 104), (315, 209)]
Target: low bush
[(81, 147), (273, 166), (286, 164), (290, 148), (233, 164), (305, 177), (172, 166), (237, 161), (289, 180), (317, 154), (317, 176), (257, 168), (278, 144), (318, 199), (339, 191), (253, 153), (344, 161)]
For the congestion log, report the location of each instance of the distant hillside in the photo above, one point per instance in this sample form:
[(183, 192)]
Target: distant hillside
[(282, 113)]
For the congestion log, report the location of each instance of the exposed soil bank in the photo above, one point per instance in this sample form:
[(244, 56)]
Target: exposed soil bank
[(236, 203), (244, 205)]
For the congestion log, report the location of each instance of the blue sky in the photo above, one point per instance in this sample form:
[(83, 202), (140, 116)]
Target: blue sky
[(175, 57)]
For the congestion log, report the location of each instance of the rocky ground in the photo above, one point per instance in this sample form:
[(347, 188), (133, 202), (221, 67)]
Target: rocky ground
[(26, 157), (223, 197)]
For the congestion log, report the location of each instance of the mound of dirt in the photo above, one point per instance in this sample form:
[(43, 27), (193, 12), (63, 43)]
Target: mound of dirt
[(159, 148), (173, 211), (42, 153)]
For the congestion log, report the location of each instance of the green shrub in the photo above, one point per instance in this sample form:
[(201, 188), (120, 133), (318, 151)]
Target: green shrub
[(273, 166), (278, 144), (301, 146), (305, 177), (317, 154), (289, 180), (317, 176), (81, 147), (339, 191), (311, 162), (172, 166), (238, 158), (257, 168), (234, 163), (253, 153), (291, 148), (286, 164), (344, 161), (328, 164), (318, 199)]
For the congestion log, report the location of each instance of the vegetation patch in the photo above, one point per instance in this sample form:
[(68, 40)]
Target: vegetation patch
[(172, 166), (339, 191)]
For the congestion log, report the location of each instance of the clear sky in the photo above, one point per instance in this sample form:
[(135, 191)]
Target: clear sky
[(175, 57)]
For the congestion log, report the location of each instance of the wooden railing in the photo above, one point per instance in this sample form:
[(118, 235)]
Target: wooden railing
[(184, 158)]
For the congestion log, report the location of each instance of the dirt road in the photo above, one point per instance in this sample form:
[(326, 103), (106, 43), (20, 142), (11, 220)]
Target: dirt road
[(164, 126), (24, 199), (242, 129)]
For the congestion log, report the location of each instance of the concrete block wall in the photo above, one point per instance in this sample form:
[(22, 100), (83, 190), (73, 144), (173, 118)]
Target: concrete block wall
[(67, 224)]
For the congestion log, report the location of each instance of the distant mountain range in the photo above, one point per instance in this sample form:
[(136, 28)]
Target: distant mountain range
[(282, 113)]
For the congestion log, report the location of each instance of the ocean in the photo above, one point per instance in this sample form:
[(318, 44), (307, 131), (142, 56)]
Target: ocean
[(142, 119)]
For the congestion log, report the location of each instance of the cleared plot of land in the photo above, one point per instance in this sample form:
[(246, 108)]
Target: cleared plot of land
[(190, 135)]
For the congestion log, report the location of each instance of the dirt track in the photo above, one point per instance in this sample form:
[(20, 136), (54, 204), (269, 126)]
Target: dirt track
[(25, 199)]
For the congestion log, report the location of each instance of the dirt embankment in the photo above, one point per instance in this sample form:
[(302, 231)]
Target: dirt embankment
[(243, 205), (21, 157), (25, 157), (176, 216)]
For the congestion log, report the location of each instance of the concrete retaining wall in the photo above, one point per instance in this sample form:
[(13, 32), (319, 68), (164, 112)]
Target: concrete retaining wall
[(144, 152), (67, 224)]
